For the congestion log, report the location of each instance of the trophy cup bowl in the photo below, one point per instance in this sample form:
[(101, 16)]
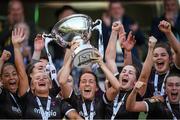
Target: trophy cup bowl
[(77, 27)]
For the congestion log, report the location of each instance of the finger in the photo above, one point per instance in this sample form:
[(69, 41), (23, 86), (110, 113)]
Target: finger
[(22, 32), (122, 36), (159, 26), (39, 36), (18, 30), (94, 58), (122, 33), (167, 24), (23, 37), (133, 41), (115, 24), (8, 55), (13, 33), (129, 35)]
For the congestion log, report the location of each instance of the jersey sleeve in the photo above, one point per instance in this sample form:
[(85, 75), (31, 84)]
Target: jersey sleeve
[(151, 104), (55, 89), (66, 107), (72, 100), (25, 98), (174, 69)]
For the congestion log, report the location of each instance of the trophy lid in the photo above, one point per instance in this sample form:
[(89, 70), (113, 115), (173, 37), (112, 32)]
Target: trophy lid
[(69, 27)]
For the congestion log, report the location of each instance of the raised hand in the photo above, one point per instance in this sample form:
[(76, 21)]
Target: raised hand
[(97, 58), (139, 85), (74, 44), (5, 55), (116, 26), (152, 42), (17, 36), (164, 26), (122, 35), (129, 43), (38, 42)]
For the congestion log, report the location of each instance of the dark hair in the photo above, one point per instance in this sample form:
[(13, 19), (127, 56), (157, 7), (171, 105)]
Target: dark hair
[(7, 64), (84, 72), (137, 70), (166, 46), (29, 69), (64, 8), (171, 74)]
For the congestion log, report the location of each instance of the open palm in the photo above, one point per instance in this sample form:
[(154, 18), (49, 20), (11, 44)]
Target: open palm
[(129, 43), (18, 36)]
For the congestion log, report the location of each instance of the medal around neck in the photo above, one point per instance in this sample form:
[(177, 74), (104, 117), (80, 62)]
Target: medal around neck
[(78, 27)]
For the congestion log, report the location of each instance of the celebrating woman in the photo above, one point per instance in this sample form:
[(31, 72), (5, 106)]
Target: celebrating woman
[(159, 108), (162, 58), (129, 74), (88, 104), (36, 103), (9, 89)]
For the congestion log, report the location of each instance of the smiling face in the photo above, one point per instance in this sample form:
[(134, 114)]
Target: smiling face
[(173, 89), (10, 78), (88, 86), (127, 77), (40, 83), (161, 60)]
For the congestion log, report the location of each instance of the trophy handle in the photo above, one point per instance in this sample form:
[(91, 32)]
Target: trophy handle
[(98, 26), (48, 38)]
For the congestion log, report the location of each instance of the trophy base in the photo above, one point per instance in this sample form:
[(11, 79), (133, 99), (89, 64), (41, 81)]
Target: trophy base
[(83, 55)]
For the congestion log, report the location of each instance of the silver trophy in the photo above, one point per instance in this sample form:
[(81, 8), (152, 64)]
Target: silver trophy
[(78, 27)]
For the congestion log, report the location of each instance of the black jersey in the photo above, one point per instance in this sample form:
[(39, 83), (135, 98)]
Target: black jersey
[(150, 86), (99, 105), (9, 105), (161, 78), (122, 112), (54, 91), (31, 110), (174, 69), (159, 110)]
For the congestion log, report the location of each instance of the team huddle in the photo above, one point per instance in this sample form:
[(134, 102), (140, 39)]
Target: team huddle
[(31, 92)]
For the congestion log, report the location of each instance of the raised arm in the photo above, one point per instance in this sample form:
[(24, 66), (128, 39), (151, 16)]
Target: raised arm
[(17, 38), (165, 27), (38, 46), (147, 66), (4, 57), (128, 46), (110, 54), (64, 72), (112, 91), (131, 103)]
